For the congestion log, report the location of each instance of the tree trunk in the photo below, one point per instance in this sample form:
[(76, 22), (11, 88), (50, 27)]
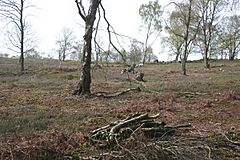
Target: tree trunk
[(22, 37), (221, 54), (177, 57), (206, 50), (64, 55), (178, 53), (85, 75), (146, 44), (21, 60), (185, 53), (235, 46), (97, 56), (206, 60), (186, 40), (183, 62), (231, 55), (144, 55)]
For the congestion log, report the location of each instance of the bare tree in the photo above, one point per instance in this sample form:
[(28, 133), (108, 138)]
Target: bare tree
[(173, 41), (135, 53), (19, 34), (76, 53), (190, 22), (229, 36), (210, 11), (150, 14), (65, 44), (88, 18)]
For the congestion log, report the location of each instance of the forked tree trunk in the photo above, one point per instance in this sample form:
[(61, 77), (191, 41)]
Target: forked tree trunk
[(85, 75)]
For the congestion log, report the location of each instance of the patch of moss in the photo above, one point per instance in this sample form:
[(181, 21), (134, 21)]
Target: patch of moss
[(69, 76)]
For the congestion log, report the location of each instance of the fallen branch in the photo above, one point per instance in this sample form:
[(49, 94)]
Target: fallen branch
[(110, 95), (231, 141), (191, 94)]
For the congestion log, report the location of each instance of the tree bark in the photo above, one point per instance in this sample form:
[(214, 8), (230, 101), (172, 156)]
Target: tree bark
[(176, 58), (178, 53), (186, 39), (231, 54), (146, 43), (206, 60), (184, 71)]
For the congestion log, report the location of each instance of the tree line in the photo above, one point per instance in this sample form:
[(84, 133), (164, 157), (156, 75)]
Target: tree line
[(206, 27)]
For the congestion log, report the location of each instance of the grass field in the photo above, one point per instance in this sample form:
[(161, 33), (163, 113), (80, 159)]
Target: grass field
[(39, 116)]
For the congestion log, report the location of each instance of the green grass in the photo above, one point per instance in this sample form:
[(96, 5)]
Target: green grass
[(69, 76), (26, 121)]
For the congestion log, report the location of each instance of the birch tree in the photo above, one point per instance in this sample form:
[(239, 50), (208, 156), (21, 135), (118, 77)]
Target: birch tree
[(151, 16), (210, 11), (20, 36), (185, 14), (88, 18)]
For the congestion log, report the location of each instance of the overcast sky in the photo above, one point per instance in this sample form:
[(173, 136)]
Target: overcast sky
[(51, 16), (54, 15)]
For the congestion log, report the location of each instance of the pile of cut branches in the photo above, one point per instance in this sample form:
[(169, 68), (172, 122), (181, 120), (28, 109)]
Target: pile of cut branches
[(116, 132)]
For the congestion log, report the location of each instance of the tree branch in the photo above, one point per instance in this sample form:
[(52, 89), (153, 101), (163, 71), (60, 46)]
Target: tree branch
[(81, 10), (109, 33)]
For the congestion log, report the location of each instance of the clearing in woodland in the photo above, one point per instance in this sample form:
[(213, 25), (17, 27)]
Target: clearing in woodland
[(41, 119)]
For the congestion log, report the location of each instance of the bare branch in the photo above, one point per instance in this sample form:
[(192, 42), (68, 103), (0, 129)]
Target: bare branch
[(81, 10), (96, 31), (109, 33)]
